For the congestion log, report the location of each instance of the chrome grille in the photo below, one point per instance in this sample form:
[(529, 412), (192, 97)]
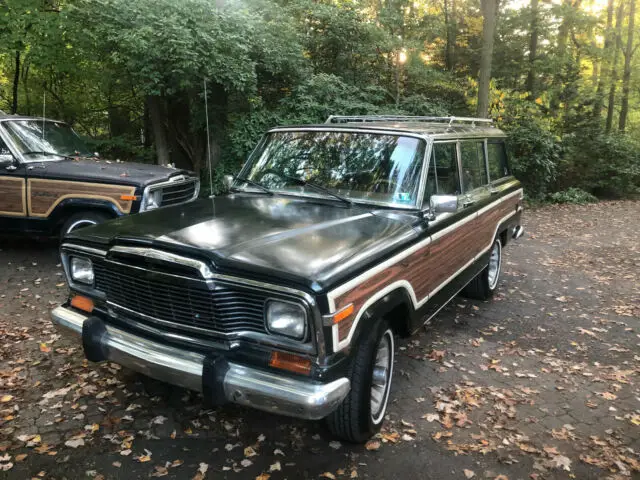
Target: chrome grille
[(179, 192), (180, 303)]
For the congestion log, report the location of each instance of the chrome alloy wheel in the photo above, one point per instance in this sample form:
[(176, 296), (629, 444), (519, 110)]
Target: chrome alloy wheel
[(495, 261), (381, 376)]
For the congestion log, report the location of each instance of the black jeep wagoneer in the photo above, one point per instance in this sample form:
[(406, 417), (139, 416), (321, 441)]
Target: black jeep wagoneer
[(286, 294)]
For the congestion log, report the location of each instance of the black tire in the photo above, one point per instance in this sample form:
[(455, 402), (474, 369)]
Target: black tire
[(80, 220), (354, 420), (481, 287)]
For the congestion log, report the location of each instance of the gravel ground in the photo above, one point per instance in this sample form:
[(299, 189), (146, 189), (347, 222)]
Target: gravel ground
[(540, 382)]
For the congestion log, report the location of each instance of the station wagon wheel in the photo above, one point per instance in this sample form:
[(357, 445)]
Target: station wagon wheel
[(81, 220), (361, 413), (485, 283)]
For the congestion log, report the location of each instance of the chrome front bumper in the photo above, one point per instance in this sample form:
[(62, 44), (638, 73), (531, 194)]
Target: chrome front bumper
[(240, 384)]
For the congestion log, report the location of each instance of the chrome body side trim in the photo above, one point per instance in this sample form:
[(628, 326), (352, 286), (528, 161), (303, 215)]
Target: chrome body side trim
[(261, 389)]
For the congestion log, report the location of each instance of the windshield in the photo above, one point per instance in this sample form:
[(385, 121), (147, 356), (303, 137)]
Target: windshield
[(363, 167), (40, 141)]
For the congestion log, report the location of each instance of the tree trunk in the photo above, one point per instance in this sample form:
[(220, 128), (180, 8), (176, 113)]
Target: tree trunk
[(452, 27), (533, 50), (16, 83), (614, 68), (626, 76), (605, 62), (157, 116), (489, 14)]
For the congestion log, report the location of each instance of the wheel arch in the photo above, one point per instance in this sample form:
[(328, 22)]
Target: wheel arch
[(72, 206), (395, 303)]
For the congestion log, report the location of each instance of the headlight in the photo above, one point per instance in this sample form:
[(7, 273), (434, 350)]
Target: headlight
[(82, 270), (151, 200), (287, 319)]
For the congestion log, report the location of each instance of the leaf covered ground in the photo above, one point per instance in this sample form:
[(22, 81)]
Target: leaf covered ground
[(541, 382)]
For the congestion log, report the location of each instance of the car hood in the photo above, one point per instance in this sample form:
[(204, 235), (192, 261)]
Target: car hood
[(99, 170), (310, 242)]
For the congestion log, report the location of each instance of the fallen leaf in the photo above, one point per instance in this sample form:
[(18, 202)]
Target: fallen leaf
[(6, 398), (372, 445), (328, 475), (44, 348), (249, 452), (275, 467), (469, 473), (263, 476), (74, 443), (560, 461), (21, 457)]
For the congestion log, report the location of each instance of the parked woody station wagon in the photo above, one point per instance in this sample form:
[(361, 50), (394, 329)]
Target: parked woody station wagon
[(51, 183), (287, 293)]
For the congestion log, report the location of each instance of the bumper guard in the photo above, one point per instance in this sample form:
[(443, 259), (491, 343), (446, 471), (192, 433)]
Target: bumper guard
[(237, 383)]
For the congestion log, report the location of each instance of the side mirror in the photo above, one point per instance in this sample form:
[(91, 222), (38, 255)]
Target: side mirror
[(443, 204), (227, 180)]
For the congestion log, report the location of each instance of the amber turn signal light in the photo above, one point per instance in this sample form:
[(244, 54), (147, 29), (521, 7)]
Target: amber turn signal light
[(291, 362), (131, 198), (82, 303), (342, 314)]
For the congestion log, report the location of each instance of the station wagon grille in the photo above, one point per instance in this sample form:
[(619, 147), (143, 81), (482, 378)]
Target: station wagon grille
[(178, 193), (183, 304)]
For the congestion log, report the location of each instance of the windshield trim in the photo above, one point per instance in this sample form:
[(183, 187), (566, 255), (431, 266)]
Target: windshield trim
[(423, 169)]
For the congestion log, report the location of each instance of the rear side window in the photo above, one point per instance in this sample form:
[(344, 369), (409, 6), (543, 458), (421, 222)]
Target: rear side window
[(443, 178), (498, 167), (474, 167)]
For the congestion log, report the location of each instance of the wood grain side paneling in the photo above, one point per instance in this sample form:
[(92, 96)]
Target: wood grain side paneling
[(13, 197), (45, 195), (430, 268)]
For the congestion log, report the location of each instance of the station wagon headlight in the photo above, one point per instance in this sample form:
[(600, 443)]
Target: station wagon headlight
[(151, 200), (81, 270), (288, 319)]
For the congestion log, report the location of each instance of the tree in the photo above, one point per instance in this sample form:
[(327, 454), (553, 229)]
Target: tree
[(614, 69), (533, 50), (489, 15), (626, 76), (605, 69)]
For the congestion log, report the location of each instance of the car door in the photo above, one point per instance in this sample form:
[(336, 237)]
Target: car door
[(13, 199), (452, 246)]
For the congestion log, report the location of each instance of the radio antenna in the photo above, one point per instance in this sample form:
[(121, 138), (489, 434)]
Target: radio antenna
[(206, 116), (44, 110)]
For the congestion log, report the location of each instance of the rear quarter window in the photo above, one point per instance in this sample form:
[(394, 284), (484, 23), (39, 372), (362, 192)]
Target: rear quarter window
[(497, 159)]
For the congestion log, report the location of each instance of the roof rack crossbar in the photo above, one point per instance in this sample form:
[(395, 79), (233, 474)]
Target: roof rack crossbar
[(405, 118)]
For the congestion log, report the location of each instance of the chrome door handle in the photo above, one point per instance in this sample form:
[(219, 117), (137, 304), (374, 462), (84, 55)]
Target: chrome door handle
[(494, 191)]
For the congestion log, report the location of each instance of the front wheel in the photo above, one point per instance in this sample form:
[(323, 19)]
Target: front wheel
[(484, 285), (81, 220), (362, 412)]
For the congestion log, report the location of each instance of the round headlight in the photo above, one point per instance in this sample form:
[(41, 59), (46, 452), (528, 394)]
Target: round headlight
[(152, 200), (81, 270), (288, 319)]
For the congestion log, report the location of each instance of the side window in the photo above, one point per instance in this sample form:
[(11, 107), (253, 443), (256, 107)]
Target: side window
[(498, 166), (443, 178), (474, 168)]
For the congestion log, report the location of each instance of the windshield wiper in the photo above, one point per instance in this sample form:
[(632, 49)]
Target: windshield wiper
[(320, 188), (255, 184), (41, 152)]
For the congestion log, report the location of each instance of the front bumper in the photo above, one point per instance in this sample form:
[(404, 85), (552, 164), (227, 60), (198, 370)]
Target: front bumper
[(233, 382)]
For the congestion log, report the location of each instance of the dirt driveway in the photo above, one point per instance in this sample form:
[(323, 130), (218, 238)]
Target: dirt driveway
[(540, 382)]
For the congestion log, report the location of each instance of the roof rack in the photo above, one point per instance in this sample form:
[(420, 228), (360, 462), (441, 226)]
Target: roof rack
[(405, 118)]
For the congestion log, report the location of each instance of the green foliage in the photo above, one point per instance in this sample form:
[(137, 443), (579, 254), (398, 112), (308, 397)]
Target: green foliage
[(573, 195), (534, 150), (271, 62), (607, 165)]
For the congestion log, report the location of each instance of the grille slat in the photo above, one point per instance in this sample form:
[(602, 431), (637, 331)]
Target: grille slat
[(178, 193), (184, 302)]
